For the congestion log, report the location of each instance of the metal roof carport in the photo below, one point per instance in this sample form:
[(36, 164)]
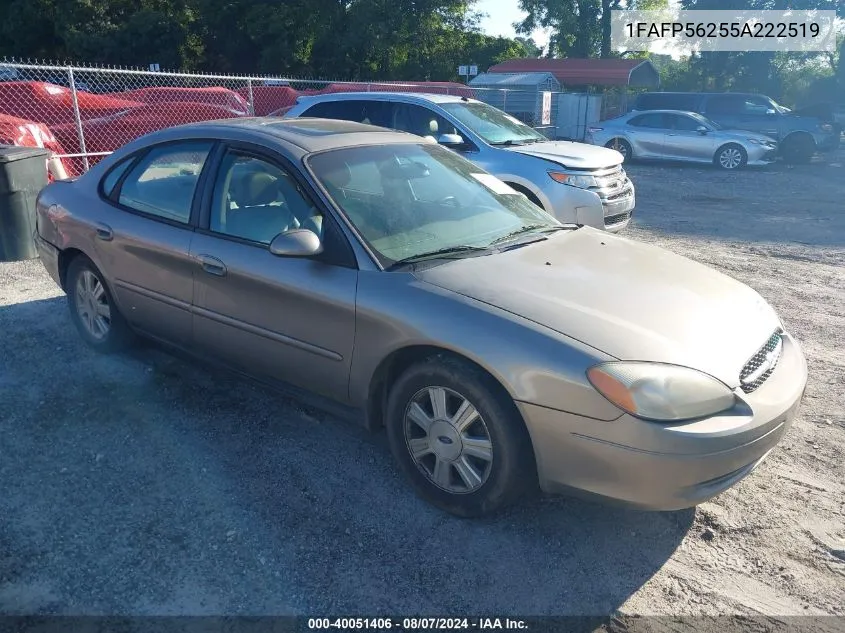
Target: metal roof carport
[(631, 73)]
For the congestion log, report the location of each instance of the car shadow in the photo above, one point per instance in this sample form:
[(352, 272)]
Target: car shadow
[(144, 484), (328, 491)]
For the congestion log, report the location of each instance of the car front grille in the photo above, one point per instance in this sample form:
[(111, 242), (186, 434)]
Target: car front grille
[(612, 220), (612, 184), (757, 370)]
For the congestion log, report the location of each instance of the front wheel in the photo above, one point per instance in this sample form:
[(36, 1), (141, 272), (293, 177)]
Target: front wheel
[(622, 146), (730, 156), (93, 310), (798, 149), (460, 441)]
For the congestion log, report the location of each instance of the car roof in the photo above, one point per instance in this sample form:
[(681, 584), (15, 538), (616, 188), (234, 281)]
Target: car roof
[(665, 111), (384, 96), (300, 136)]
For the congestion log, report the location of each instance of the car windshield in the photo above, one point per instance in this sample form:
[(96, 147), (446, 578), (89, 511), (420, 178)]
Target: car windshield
[(493, 125), (416, 200)]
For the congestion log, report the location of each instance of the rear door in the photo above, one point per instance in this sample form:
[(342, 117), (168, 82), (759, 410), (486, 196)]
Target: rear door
[(144, 245), (290, 319), (685, 142), (647, 134), (370, 112)]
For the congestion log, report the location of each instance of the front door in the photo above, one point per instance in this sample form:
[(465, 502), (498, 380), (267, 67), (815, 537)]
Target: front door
[(684, 141), (144, 244), (290, 319)]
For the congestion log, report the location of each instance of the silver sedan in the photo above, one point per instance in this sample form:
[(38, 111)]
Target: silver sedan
[(397, 283), (682, 136)]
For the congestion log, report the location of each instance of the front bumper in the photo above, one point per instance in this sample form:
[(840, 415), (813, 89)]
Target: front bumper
[(662, 467), (761, 155), (49, 256), (610, 212), (828, 142)]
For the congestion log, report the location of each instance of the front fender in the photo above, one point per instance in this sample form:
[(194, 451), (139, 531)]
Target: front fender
[(534, 364)]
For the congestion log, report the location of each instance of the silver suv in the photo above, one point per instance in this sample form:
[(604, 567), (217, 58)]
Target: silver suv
[(575, 182)]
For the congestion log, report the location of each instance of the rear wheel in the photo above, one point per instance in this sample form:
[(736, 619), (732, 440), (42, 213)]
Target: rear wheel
[(731, 156), (93, 310), (458, 438), (798, 148), (622, 146)]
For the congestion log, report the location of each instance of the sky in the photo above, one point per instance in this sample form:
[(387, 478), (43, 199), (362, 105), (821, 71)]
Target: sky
[(501, 14)]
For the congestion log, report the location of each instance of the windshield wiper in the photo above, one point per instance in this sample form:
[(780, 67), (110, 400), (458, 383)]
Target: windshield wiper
[(510, 142), (450, 252), (514, 142), (530, 228)]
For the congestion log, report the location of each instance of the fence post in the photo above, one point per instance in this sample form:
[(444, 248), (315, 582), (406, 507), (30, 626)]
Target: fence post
[(78, 117), (251, 98)]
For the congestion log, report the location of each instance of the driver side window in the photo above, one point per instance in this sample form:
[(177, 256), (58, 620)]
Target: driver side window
[(421, 121), (255, 200)]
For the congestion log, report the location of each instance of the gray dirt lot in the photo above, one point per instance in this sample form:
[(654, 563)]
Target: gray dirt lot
[(141, 484)]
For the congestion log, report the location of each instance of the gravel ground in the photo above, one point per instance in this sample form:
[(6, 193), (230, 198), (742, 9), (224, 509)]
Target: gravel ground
[(142, 484)]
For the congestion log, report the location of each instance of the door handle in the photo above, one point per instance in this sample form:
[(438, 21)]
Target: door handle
[(212, 265), (104, 232)]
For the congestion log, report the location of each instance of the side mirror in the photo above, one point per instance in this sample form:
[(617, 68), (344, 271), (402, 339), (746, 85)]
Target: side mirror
[(296, 243), (701, 130), (451, 140)]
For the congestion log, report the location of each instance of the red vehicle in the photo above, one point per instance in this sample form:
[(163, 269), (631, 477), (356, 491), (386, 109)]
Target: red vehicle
[(270, 99), (23, 133), (106, 134), (219, 97), (51, 104)]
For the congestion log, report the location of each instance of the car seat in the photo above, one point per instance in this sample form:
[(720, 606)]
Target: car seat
[(261, 212)]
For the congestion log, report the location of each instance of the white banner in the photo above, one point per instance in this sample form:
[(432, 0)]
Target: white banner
[(673, 31)]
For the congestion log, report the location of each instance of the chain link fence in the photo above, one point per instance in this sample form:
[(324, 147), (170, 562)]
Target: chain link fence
[(84, 113)]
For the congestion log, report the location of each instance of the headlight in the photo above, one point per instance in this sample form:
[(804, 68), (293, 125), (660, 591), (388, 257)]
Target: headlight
[(756, 141), (656, 391), (582, 182)]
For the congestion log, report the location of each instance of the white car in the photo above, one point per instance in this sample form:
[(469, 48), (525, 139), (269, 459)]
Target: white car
[(576, 182)]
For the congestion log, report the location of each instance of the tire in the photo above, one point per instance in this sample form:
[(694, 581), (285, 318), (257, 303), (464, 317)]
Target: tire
[(798, 149), (93, 310), (528, 194), (623, 147), (470, 472), (731, 157)]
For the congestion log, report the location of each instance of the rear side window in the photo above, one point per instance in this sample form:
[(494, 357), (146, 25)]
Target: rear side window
[(359, 111), (108, 183), (163, 182)]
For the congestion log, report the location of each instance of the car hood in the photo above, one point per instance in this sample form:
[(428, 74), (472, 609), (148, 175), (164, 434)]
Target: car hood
[(571, 154), (630, 300)]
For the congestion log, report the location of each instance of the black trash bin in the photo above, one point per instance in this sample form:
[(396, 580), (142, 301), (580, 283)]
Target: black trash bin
[(23, 173)]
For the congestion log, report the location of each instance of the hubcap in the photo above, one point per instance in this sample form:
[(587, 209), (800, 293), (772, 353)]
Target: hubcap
[(92, 306), (730, 158), (448, 440), (620, 147)]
